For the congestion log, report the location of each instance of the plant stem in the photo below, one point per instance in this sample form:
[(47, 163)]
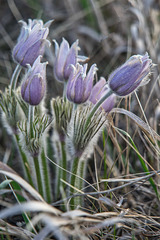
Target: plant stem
[(15, 76), (38, 174), (31, 120), (25, 161), (61, 174), (64, 89), (46, 176), (96, 106), (73, 180), (64, 162), (81, 172), (35, 158)]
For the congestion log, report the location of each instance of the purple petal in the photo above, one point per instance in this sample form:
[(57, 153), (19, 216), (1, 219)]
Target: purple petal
[(37, 89), (89, 80), (96, 90), (33, 52), (70, 59), (60, 60)]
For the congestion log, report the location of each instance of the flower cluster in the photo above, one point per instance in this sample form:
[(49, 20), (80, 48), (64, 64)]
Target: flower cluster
[(67, 68), (78, 117), (70, 69)]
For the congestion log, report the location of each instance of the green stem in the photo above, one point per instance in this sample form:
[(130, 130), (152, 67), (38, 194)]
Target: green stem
[(38, 175), (96, 106), (58, 169), (81, 173), (73, 180), (15, 76), (64, 89), (64, 163), (46, 176), (60, 173), (31, 120), (25, 161), (35, 158)]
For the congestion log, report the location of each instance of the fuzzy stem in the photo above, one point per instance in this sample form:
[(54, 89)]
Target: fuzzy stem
[(81, 171), (38, 174), (15, 76), (64, 162), (46, 176), (64, 89), (73, 180), (96, 106), (25, 161), (60, 173), (58, 169), (35, 158), (31, 120)]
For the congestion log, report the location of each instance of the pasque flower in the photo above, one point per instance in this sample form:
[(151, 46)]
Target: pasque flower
[(31, 41), (80, 83), (98, 91), (64, 57), (132, 74), (34, 84)]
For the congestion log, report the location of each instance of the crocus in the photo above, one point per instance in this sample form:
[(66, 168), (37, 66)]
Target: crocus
[(64, 57), (98, 91), (80, 83), (34, 84), (31, 42), (132, 74)]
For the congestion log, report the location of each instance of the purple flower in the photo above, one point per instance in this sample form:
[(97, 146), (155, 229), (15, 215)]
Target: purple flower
[(34, 84), (31, 42), (80, 84), (132, 74), (65, 56), (98, 91)]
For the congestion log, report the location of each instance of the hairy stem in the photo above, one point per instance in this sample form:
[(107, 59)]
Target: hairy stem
[(38, 175), (31, 120), (64, 162), (25, 161), (46, 176), (15, 76), (73, 180)]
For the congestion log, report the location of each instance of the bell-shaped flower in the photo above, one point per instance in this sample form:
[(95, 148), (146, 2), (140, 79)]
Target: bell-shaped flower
[(33, 86), (31, 42), (98, 91), (80, 83), (64, 57), (132, 74)]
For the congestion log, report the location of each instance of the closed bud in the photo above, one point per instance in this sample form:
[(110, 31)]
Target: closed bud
[(64, 57), (130, 75), (80, 84), (34, 84), (31, 42), (98, 91)]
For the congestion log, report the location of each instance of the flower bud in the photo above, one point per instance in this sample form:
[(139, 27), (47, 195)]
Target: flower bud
[(34, 84), (80, 84), (98, 91), (65, 56), (31, 42), (130, 75)]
